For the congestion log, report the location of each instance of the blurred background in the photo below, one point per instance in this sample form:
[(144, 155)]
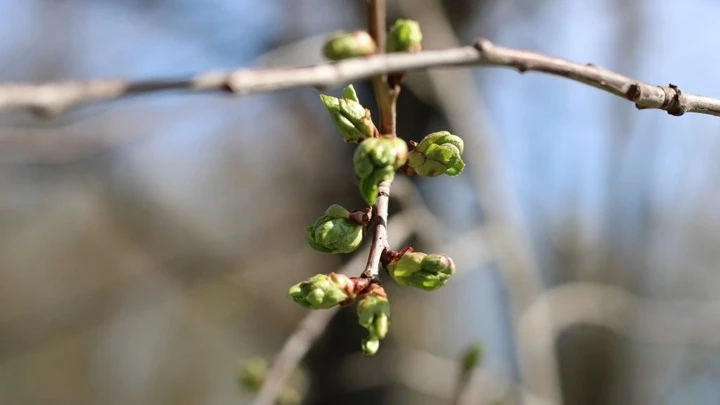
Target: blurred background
[(147, 245)]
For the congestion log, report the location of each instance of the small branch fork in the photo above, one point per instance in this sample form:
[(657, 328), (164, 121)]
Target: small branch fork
[(54, 98)]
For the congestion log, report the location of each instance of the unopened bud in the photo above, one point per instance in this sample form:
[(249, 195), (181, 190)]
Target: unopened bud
[(421, 270), (471, 358), (374, 315), (404, 36), (438, 153), (375, 161), (351, 119), (335, 232), (252, 373), (343, 45), (323, 291)]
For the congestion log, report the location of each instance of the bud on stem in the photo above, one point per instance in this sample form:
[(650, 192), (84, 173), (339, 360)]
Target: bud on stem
[(323, 291), (420, 270), (337, 231), (350, 118), (343, 45), (404, 36), (438, 153), (374, 315), (375, 161)]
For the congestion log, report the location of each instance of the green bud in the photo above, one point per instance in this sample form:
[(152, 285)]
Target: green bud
[(350, 94), (369, 185), (438, 153), (471, 358), (351, 119), (373, 311), (420, 270), (376, 160), (370, 346), (404, 36), (251, 374), (343, 45), (322, 291), (289, 396), (335, 232)]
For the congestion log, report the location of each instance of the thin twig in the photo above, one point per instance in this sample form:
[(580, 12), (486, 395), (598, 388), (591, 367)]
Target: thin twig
[(376, 25), (379, 242), (52, 98), (292, 352), (386, 99)]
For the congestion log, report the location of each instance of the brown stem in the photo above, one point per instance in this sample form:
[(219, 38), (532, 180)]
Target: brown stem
[(379, 242), (386, 100), (376, 28)]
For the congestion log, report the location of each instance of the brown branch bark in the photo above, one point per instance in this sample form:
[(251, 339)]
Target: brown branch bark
[(380, 233), (386, 99), (53, 98)]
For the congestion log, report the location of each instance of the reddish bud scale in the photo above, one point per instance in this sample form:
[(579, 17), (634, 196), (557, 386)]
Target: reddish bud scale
[(375, 289), (354, 286), (361, 216), (389, 256)]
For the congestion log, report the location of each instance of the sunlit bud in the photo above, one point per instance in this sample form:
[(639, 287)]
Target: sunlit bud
[(376, 160), (323, 291), (343, 45), (350, 118), (438, 153), (404, 36), (373, 311), (335, 232), (424, 271)]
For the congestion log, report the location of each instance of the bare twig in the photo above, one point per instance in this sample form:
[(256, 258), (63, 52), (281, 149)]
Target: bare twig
[(294, 349), (52, 98)]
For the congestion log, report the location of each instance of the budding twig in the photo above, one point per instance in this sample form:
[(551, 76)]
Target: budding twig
[(386, 99), (315, 322)]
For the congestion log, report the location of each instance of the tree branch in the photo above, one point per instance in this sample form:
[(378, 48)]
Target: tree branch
[(53, 98), (386, 99)]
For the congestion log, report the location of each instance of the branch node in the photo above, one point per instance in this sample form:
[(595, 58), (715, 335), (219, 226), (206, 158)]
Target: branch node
[(675, 105), (483, 45), (521, 68), (227, 88), (46, 112), (634, 92)]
